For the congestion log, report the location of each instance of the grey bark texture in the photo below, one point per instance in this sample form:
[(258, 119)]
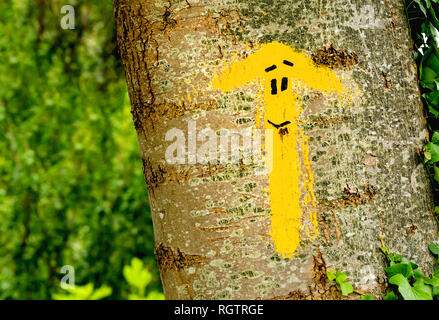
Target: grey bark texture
[(212, 222)]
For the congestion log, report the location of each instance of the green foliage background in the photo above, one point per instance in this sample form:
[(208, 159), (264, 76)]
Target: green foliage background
[(71, 185)]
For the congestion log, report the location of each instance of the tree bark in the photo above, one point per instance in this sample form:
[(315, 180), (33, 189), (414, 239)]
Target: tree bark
[(214, 226)]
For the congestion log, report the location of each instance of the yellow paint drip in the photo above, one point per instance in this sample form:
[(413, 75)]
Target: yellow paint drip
[(291, 179)]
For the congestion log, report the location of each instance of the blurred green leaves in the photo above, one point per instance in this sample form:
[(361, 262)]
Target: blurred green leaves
[(139, 278), (86, 292), (71, 184)]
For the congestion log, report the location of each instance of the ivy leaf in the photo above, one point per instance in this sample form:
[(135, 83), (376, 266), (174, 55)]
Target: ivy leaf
[(434, 34), (418, 292), (346, 288), (367, 297), (421, 6), (394, 258), (404, 287), (431, 152), (433, 110), (434, 248), (424, 291), (432, 282), (400, 268), (331, 275), (340, 277), (432, 100), (436, 173), (390, 296), (429, 69)]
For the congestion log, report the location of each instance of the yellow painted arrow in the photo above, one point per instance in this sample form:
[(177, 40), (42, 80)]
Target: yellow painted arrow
[(282, 71)]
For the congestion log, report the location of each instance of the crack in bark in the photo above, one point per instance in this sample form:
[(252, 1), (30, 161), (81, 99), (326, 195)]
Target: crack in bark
[(170, 259), (335, 59), (353, 198)]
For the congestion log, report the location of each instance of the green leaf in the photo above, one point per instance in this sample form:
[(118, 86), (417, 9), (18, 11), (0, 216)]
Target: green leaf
[(390, 296), (434, 248), (433, 110), (436, 173), (400, 268), (137, 275), (432, 282), (421, 6), (429, 70), (423, 291), (404, 287), (419, 292), (101, 293), (155, 296), (394, 258), (85, 292), (81, 292), (435, 137), (134, 296), (431, 152), (331, 275), (435, 34), (432, 100), (346, 288), (340, 277), (418, 275), (367, 297)]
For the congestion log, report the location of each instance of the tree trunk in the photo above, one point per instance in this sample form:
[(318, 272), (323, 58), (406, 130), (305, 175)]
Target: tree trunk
[(336, 83)]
